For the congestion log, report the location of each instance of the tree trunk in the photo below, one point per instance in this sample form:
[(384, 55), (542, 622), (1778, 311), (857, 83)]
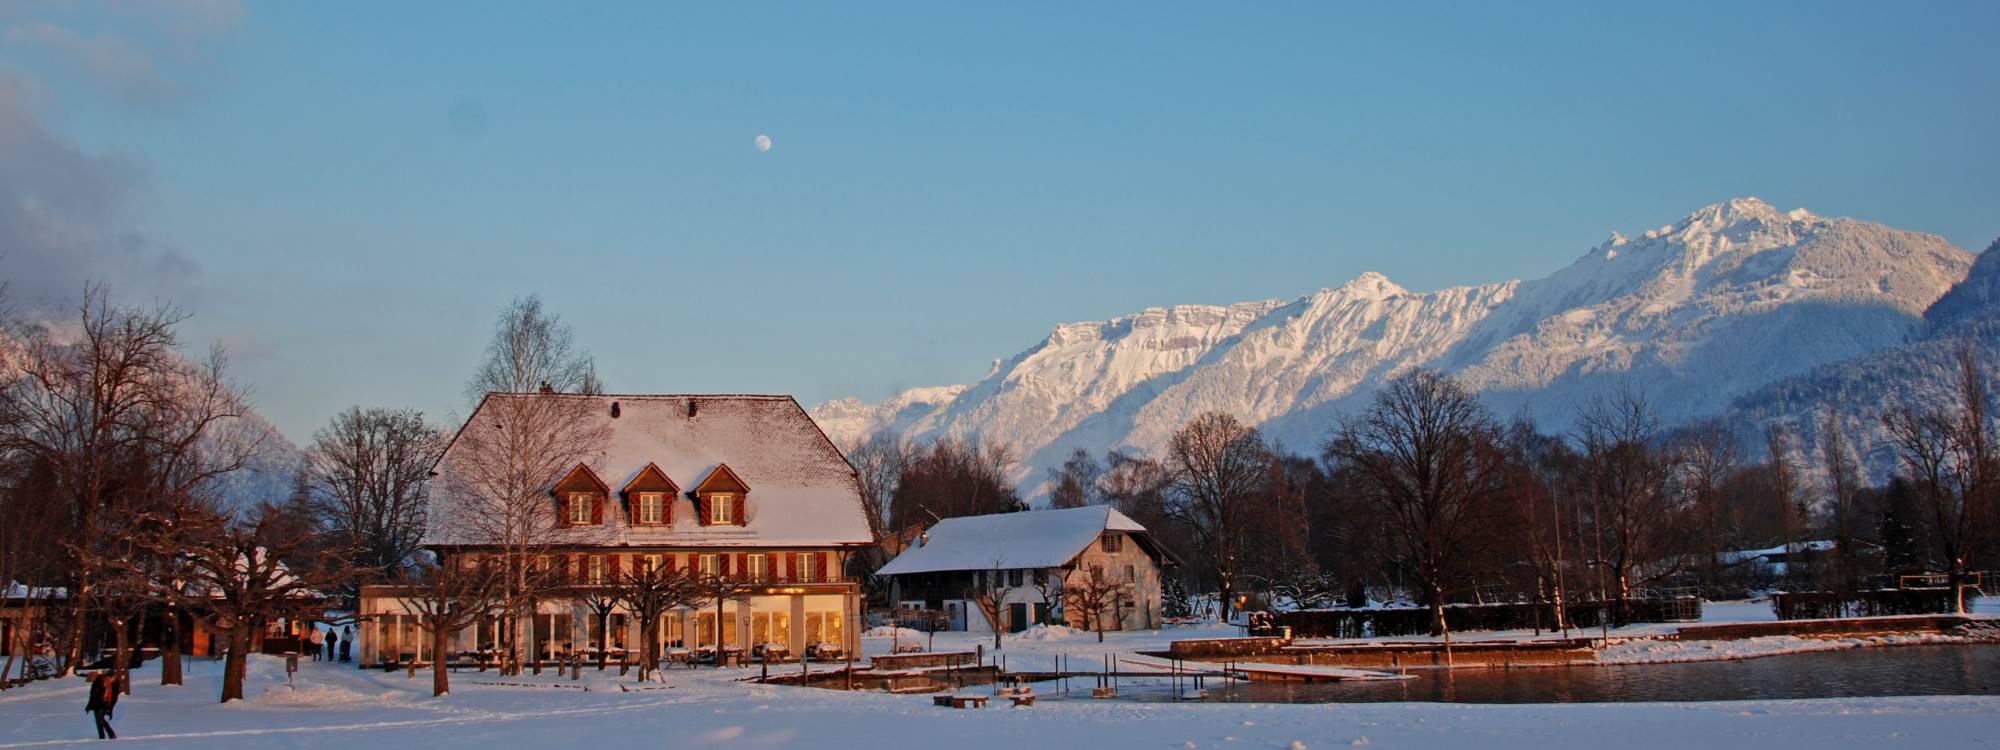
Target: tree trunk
[(170, 648), (121, 660), (1438, 621), (233, 664), (440, 679)]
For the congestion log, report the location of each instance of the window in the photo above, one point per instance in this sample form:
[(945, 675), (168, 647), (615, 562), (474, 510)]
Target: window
[(1112, 543), (579, 509), (1130, 574), (806, 562), (1014, 579), (596, 569), (722, 509), (823, 627), (650, 563), (708, 565), (759, 565), (652, 508)]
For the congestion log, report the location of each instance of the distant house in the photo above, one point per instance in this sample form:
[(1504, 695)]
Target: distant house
[(1029, 559)]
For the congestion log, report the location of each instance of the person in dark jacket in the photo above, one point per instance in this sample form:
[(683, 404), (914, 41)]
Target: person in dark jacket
[(103, 698), (332, 640)]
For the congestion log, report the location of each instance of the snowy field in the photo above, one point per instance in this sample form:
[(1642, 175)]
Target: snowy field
[(337, 706)]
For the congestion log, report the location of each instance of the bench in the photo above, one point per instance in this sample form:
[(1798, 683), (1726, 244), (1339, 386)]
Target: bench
[(959, 701)]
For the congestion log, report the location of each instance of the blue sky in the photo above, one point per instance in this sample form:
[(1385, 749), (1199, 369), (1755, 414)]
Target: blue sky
[(349, 192)]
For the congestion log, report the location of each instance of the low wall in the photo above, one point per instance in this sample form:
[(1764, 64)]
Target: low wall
[(1212, 649), (924, 661), (1851, 626)]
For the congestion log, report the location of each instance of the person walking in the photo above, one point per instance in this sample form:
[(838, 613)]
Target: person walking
[(103, 697), (346, 641), (332, 639), (315, 641)]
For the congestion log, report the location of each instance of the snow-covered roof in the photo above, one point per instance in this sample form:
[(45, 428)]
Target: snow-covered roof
[(1735, 556), (802, 490), (1032, 539)]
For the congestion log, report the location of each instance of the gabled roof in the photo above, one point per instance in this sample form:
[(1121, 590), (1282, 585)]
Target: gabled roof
[(582, 471), (1031, 539), (805, 493), (652, 471), (722, 479)]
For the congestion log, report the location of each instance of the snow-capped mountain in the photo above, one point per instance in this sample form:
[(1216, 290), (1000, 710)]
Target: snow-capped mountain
[(1693, 314)]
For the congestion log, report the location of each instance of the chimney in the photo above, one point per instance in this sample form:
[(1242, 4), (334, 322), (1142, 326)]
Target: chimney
[(693, 407), (546, 388), (614, 410)]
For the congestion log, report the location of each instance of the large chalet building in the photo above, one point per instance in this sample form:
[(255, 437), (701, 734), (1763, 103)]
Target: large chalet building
[(746, 488)]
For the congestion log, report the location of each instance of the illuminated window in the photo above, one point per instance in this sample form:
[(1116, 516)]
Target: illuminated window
[(652, 508), (708, 565), (724, 509), (759, 566), (807, 562), (579, 509)]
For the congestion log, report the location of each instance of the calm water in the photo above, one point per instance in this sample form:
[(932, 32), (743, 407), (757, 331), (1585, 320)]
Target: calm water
[(1903, 670)]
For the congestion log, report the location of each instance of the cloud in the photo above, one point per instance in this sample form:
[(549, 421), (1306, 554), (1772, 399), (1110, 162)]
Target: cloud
[(69, 217), (112, 61)]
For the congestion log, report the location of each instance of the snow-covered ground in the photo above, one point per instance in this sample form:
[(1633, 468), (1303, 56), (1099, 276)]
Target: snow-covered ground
[(339, 707), (336, 706)]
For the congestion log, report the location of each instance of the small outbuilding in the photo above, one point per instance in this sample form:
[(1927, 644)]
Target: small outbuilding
[(1044, 566)]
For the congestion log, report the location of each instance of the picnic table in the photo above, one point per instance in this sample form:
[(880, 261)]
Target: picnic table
[(825, 651)]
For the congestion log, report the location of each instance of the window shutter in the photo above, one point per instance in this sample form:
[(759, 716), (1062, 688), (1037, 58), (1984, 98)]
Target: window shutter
[(704, 508), (581, 572), (597, 510), (722, 565), (667, 563), (791, 565), (823, 571), (742, 564), (613, 571), (562, 511), (667, 509), (736, 510)]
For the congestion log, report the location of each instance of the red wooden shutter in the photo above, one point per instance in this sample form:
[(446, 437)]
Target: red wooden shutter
[(581, 572), (597, 510), (736, 511), (614, 567), (667, 509), (742, 564), (722, 564), (667, 563), (704, 506), (562, 511), (824, 570)]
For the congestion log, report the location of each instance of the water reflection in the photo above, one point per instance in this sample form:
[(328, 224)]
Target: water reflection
[(1905, 670)]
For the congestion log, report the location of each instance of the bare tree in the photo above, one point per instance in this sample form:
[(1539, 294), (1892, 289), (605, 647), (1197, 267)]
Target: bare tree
[(116, 419), (1707, 459), (951, 478), (1843, 484), (1093, 594), (1627, 475), (1218, 469), (649, 592), (1071, 485), (1427, 451), (240, 573), (495, 491), (878, 463), (367, 476), (448, 596), (989, 594), (1949, 453), (1787, 497), (533, 350)]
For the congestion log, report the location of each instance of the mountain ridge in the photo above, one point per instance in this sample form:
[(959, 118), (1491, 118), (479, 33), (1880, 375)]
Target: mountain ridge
[(1693, 313)]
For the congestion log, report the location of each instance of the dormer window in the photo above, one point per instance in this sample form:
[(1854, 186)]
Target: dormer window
[(580, 506), (721, 498), (649, 497)]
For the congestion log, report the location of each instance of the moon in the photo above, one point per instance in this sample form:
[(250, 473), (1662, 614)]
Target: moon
[(763, 143)]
